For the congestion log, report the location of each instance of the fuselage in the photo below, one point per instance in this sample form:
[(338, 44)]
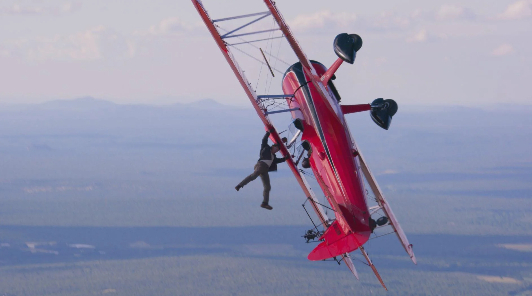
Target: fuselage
[(332, 156)]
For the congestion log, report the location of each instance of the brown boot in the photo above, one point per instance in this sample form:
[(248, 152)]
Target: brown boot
[(266, 206)]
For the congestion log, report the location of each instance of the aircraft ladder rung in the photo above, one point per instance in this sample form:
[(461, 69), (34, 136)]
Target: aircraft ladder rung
[(281, 111), (274, 96)]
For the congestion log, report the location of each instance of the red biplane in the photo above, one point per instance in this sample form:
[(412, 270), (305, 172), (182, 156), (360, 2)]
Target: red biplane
[(326, 145)]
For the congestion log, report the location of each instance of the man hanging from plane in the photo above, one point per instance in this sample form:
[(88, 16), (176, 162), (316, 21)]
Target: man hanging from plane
[(267, 163)]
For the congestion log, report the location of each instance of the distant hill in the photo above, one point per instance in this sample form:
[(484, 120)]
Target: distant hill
[(83, 103)]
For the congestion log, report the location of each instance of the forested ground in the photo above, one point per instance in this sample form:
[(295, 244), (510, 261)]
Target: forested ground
[(149, 190)]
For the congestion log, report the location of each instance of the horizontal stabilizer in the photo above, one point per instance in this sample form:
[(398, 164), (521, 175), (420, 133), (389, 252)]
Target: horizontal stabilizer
[(335, 243)]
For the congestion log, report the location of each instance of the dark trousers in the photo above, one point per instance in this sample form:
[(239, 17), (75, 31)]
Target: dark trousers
[(260, 169)]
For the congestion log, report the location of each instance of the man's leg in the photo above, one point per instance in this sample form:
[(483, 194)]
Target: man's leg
[(251, 177), (265, 177), (267, 187)]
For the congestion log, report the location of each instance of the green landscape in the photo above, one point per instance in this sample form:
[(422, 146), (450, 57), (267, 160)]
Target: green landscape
[(98, 198)]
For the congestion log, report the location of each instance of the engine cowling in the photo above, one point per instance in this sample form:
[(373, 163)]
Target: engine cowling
[(346, 46), (382, 112)]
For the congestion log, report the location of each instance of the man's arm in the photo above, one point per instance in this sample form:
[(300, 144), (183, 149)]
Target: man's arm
[(265, 139), (279, 160)]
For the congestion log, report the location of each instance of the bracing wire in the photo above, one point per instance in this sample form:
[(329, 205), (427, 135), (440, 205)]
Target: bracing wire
[(253, 45), (260, 74), (268, 78), (382, 235), (275, 61), (256, 59), (268, 104)]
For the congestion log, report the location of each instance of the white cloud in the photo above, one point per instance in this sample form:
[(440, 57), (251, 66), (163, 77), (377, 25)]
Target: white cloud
[(389, 21), (417, 13), (4, 53), (419, 25), (518, 10), (424, 35), (381, 61), (454, 12), (168, 26), (171, 26), (502, 50), (92, 44), (329, 21), (389, 172), (323, 20), (413, 27), (17, 9), (70, 6), (421, 36)]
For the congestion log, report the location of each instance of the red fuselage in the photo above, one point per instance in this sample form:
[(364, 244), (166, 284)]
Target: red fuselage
[(332, 157)]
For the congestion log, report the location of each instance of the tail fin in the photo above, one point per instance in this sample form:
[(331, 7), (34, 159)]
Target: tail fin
[(336, 243)]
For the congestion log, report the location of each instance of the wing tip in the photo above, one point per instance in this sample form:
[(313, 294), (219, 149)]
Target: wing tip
[(410, 252)]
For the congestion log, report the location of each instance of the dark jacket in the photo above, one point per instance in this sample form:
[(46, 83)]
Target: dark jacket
[(266, 154)]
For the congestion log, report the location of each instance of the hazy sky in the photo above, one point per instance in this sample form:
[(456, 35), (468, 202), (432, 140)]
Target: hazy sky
[(465, 52)]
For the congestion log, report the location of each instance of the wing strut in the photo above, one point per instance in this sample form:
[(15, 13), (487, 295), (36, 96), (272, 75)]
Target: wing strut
[(373, 267)]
